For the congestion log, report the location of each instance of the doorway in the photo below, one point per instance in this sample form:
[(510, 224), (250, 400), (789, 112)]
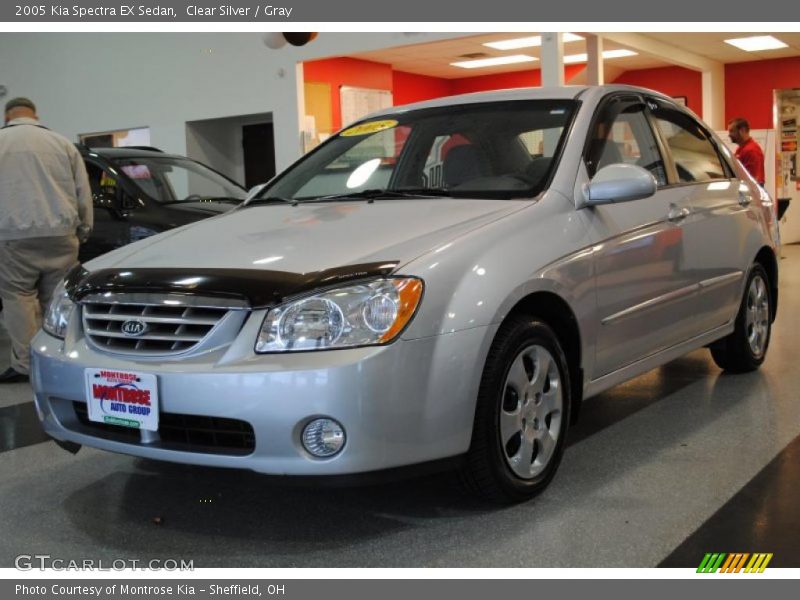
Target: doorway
[(240, 147), (258, 146)]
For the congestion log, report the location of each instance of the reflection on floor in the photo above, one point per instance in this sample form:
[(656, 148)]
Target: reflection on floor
[(762, 517), (679, 462)]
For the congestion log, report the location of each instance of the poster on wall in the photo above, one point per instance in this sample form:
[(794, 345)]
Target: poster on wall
[(357, 102)]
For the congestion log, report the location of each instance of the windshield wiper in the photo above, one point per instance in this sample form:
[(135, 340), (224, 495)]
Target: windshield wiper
[(226, 199), (376, 194), (271, 200), (369, 195), (424, 191)]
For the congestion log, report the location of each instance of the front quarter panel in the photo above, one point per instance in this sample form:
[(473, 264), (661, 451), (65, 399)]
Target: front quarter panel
[(477, 280)]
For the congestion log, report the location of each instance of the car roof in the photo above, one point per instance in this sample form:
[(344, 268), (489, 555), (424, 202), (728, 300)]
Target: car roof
[(564, 92)]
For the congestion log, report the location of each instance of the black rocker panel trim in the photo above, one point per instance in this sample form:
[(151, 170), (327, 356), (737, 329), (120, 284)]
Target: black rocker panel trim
[(260, 288)]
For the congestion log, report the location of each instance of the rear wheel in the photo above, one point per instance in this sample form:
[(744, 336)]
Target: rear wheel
[(522, 414), (745, 349)]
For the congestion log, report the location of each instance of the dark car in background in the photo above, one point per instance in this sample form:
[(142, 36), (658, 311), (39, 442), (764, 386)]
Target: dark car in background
[(141, 191)]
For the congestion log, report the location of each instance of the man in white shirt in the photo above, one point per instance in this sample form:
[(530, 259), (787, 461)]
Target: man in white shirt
[(45, 207)]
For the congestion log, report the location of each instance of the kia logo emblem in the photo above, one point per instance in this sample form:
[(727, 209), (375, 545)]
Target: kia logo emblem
[(134, 327)]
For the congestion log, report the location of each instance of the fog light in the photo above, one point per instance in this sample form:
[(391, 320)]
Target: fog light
[(323, 437)]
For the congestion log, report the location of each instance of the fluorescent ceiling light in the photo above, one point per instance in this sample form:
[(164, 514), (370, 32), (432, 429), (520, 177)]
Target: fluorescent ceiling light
[(579, 58), (756, 43), (492, 62), (528, 42)]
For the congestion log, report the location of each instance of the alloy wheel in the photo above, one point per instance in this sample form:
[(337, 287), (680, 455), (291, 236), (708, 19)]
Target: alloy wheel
[(530, 416), (757, 316)]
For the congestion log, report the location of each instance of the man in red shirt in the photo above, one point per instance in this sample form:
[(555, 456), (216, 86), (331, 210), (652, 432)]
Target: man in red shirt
[(748, 152)]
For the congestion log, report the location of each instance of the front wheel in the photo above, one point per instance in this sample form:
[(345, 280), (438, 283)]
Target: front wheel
[(745, 349), (522, 414)]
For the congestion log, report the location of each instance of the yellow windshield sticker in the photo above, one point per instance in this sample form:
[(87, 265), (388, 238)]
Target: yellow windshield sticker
[(369, 128)]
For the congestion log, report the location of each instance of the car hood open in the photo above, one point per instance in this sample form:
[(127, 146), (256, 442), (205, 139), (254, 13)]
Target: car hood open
[(313, 236)]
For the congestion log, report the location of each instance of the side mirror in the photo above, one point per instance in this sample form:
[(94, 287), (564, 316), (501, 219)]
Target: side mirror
[(254, 191), (619, 183)]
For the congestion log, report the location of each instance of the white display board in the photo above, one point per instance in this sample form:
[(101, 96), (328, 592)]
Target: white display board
[(788, 109), (357, 102)]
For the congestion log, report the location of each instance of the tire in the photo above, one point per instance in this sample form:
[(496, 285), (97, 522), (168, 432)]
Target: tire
[(526, 387), (745, 349)]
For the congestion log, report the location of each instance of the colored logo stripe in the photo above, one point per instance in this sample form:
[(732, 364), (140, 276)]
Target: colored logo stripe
[(758, 563), (711, 562), (734, 563)]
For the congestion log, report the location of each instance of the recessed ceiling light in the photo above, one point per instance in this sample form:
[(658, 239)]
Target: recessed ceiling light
[(579, 58), (491, 62), (756, 43), (528, 42)]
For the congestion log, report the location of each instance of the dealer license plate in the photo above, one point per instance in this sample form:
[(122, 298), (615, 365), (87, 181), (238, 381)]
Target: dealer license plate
[(125, 398)]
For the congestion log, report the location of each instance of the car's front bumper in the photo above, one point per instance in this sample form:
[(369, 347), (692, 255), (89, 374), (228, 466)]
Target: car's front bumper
[(410, 402)]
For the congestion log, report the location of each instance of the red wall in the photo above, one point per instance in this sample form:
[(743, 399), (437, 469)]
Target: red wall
[(500, 81), (347, 71), (749, 87), (504, 81), (409, 87), (672, 81)]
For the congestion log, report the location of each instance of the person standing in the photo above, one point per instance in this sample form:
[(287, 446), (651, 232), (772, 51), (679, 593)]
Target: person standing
[(45, 208), (748, 152)]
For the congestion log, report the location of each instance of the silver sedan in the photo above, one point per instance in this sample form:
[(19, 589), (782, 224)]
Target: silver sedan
[(440, 284)]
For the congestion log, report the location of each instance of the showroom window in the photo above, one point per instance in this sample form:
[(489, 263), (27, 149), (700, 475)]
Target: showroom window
[(696, 158), (623, 135)]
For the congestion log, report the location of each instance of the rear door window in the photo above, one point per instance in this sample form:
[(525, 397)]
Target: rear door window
[(695, 156)]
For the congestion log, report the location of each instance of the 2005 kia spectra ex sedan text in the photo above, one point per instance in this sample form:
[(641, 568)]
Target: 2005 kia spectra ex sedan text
[(446, 279)]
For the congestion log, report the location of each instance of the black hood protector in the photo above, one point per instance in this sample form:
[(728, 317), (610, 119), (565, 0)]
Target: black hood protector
[(258, 287)]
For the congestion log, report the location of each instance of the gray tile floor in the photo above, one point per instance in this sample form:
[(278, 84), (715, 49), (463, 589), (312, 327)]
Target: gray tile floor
[(649, 463)]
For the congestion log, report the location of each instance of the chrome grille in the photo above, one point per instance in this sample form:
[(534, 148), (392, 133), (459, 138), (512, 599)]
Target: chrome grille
[(145, 324)]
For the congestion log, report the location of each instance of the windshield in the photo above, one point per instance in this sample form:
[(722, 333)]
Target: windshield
[(170, 180), (488, 150)]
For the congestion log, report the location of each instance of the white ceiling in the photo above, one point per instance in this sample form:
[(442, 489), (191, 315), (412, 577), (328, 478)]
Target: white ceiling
[(434, 58), (712, 45)]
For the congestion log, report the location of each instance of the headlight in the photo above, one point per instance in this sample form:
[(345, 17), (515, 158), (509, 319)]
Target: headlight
[(58, 313), (358, 315)]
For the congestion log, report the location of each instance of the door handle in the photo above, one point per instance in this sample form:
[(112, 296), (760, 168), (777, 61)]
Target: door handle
[(677, 214)]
